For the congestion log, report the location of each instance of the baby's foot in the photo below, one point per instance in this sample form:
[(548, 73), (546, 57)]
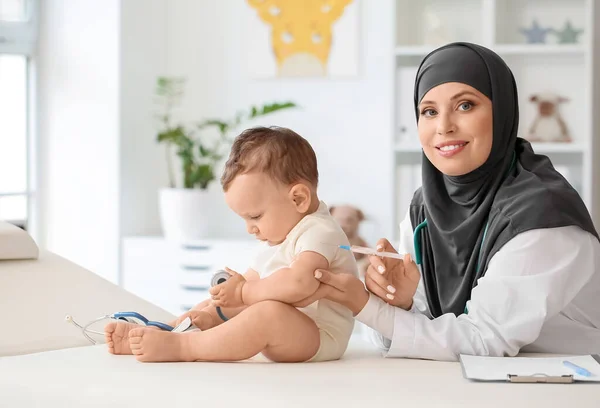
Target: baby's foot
[(117, 336), (155, 345)]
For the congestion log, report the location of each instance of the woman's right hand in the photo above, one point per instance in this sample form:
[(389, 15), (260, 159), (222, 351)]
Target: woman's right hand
[(393, 280)]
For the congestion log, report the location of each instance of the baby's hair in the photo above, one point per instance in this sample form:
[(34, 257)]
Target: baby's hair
[(279, 152)]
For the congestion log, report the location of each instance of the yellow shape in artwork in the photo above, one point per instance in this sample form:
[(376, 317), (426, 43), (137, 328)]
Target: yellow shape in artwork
[(301, 32)]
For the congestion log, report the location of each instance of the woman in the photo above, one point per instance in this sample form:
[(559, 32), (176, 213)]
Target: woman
[(508, 257)]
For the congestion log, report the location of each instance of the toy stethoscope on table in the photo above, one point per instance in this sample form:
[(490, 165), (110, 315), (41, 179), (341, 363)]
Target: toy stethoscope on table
[(130, 317), (134, 317)]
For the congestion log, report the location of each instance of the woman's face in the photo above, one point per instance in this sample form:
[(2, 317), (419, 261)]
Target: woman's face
[(455, 128)]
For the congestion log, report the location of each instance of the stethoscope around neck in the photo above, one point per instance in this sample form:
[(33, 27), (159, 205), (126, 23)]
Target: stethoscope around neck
[(417, 244), (418, 228)]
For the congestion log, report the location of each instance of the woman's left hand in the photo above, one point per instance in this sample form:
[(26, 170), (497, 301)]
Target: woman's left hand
[(342, 288)]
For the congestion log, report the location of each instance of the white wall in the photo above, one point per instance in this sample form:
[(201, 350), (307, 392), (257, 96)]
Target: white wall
[(348, 122), (100, 166), (78, 65), (143, 58)]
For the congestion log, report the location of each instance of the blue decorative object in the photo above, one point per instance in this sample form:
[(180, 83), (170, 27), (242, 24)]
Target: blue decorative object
[(568, 35), (535, 34)]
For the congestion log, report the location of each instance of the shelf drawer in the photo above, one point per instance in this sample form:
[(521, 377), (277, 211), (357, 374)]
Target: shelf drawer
[(212, 256), (189, 296)]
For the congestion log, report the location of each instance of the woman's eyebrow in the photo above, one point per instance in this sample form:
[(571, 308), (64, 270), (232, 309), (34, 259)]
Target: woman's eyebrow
[(458, 95), (461, 94)]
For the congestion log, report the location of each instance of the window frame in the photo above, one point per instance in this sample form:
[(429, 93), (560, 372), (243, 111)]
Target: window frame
[(21, 38)]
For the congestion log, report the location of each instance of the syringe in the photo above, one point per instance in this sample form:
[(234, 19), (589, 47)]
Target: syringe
[(371, 251)]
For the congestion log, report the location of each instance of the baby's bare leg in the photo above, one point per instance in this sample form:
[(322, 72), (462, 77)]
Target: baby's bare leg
[(280, 331)]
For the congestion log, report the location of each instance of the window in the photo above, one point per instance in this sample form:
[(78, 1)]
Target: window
[(13, 10), (17, 32), (13, 138)]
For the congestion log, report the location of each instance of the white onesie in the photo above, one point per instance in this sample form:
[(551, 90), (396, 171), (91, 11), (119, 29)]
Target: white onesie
[(320, 233)]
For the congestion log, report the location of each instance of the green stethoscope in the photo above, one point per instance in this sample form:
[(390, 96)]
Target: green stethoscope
[(417, 240)]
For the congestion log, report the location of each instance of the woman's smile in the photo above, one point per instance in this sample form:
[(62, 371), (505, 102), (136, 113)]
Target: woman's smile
[(451, 148)]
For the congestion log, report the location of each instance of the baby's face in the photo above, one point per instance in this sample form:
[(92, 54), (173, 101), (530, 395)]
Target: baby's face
[(266, 206)]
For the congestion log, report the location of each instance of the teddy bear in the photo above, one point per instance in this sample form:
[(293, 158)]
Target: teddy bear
[(349, 219), (548, 126)]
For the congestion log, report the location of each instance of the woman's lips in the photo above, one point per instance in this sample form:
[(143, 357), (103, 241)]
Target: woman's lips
[(449, 149)]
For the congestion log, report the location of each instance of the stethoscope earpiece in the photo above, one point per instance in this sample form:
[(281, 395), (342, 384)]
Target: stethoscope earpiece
[(219, 277)]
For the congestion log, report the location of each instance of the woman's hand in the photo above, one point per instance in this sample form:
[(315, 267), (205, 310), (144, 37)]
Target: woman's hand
[(393, 280), (342, 288)]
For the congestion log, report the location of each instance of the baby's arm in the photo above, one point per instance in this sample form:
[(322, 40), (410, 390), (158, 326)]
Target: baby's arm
[(204, 315), (288, 285)]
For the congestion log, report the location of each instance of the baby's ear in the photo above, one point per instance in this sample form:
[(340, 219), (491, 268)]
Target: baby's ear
[(301, 195), (331, 209)]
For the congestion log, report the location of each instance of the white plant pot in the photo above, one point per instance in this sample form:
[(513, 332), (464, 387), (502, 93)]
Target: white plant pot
[(184, 213)]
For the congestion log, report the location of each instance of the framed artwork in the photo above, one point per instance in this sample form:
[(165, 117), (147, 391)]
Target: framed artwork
[(307, 38)]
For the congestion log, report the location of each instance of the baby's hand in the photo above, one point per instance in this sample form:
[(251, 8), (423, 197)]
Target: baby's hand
[(229, 293), (202, 319)]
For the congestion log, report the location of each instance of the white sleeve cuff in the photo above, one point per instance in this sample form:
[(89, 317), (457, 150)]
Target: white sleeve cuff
[(403, 341), (378, 315), (391, 323)]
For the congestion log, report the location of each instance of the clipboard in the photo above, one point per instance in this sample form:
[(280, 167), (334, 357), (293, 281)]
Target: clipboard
[(546, 370), (540, 378)]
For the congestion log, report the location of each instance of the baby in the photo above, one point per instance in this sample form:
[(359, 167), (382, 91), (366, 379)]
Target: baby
[(274, 308)]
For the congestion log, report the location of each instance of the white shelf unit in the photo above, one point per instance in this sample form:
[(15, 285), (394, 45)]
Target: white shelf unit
[(567, 69)]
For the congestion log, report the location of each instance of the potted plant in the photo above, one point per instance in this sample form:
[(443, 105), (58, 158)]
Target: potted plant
[(184, 206)]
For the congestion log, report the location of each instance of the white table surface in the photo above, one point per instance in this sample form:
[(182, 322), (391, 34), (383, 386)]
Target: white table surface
[(89, 376)]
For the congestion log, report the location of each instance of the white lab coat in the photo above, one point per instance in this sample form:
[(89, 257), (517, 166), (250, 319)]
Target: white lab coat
[(540, 293)]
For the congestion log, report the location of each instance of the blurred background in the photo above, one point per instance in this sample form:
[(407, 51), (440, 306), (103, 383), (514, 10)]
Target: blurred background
[(116, 116)]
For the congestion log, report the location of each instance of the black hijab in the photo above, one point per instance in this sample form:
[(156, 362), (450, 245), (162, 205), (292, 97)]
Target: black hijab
[(514, 191)]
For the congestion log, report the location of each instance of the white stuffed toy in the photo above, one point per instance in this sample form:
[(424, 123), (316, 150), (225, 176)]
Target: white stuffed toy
[(548, 126)]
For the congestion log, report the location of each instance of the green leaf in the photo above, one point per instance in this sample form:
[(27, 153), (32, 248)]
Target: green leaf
[(169, 87), (270, 108), (170, 135), (223, 126), (203, 175), (176, 136), (203, 151)]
